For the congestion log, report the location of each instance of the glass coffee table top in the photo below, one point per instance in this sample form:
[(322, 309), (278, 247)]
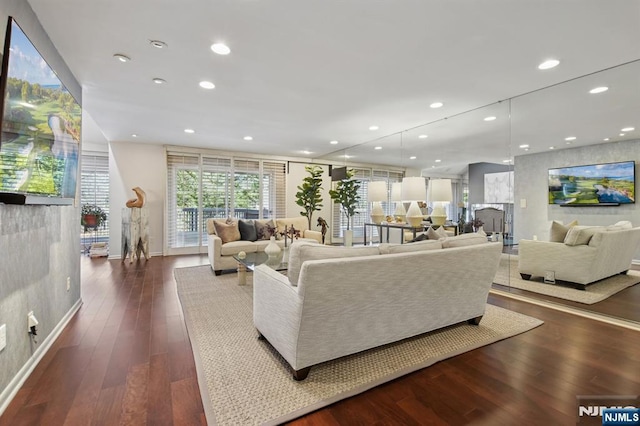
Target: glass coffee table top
[(258, 258)]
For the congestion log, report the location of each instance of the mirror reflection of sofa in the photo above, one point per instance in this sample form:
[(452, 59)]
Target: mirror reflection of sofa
[(580, 254), (227, 237)]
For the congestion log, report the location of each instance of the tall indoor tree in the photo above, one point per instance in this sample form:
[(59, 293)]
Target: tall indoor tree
[(346, 193), (308, 196)]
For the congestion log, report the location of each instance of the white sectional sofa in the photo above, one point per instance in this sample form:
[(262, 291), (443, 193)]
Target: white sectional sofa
[(587, 254), (221, 249), (337, 301)]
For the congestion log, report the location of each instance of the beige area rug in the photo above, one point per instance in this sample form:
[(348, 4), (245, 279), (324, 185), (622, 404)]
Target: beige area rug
[(508, 275), (243, 381)]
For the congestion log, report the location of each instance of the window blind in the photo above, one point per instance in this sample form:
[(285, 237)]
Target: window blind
[(94, 189)]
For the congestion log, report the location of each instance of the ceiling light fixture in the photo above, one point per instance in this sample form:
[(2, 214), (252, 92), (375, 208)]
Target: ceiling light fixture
[(423, 136), (628, 129), (438, 161), (158, 80), (158, 44), (307, 152), (524, 146), (491, 118), (506, 161), (552, 147), (134, 135), (333, 142), (378, 148), (207, 85), (248, 138), (570, 138), (190, 131), (599, 89), (548, 64), (121, 57), (621, 134), (413, 157), (436, 105), (606, 139), (373, 127), (220, 48)]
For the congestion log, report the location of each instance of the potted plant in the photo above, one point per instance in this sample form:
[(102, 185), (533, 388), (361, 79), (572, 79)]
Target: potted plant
[(308, 196), (92, 216), (346, 193)]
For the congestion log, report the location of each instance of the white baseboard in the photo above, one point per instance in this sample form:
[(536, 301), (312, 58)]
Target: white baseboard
[(18, 380)]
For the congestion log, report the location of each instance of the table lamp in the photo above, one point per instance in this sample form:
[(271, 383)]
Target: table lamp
[(396, 195), (439, 193), (414, 190), (377, 192)]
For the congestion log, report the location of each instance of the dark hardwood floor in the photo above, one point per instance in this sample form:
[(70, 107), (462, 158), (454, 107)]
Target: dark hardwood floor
[(125, 358)]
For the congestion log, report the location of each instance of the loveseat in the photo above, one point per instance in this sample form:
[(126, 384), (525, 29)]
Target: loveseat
[(336, 301), (229, 237), (586, 255)]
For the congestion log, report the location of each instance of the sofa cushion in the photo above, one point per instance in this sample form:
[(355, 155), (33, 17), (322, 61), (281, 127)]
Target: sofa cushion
[(436, 234), (580, 235), (559, 231), (235, 247), (386, 248), (303, 251), (265, 229), (464, 240), (247, 230), (211, 228), (227, 230)]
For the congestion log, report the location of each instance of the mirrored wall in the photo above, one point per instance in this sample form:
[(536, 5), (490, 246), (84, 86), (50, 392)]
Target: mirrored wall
[(498, 156)]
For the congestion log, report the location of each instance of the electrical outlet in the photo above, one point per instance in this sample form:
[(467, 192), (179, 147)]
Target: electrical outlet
[(68, 283), (3, 336)]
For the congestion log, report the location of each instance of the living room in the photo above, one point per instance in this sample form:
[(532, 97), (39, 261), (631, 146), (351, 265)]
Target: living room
[(40, 246)]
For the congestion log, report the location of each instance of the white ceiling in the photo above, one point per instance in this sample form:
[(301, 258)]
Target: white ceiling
[(302, 73)]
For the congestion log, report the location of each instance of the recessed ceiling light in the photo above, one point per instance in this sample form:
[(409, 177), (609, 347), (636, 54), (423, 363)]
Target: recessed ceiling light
[(552, 147), (378, 147), (570, 138), (248, 138), (121, 57), (628, 129), (189, 131), (436, 105), (568, 142), (606, 139), (134, 135), (548, 64), (423, 136), (207, 85), (305, 152), (438, 161), (373, 127), (621, 134), (220, 48), (523, 146), (526, 149), (346, 156), (158, 44), (413, 157), (333, 142), (599, 89), (506, 161), (491, 118), (158, 80)]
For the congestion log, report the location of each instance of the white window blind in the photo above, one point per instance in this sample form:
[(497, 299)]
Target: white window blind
[(94, 189), (274, 189)]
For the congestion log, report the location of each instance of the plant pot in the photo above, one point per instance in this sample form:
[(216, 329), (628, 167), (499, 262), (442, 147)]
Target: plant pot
[(90, 221), (348, 237)]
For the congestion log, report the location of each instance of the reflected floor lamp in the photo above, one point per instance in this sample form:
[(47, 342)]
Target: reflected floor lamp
[(439, 193)]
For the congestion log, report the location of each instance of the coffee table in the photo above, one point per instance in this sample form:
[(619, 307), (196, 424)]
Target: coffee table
[(251, 260)]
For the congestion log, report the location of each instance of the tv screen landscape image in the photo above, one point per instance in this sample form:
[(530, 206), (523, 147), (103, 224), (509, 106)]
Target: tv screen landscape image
[(593, 185), (41, 123)]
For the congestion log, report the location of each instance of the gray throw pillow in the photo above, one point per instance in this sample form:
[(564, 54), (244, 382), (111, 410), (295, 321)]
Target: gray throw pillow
[(265, 229), (247, 230)]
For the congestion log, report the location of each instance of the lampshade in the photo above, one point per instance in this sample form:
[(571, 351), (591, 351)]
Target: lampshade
[(439, 190), (414, 189), (377, 191), (396, 191)]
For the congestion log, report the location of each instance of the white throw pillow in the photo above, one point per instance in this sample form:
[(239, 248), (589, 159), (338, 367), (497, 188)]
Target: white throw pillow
[(559, 231), (623, 224), (480, 231), (386, 248), (464, 240), (580, 235)]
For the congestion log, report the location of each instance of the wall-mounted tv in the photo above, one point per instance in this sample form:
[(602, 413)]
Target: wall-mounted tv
[(607, 184), (41, 123)]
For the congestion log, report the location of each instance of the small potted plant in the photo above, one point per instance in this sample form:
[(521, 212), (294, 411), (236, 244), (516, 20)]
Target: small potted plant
[(92, 216)]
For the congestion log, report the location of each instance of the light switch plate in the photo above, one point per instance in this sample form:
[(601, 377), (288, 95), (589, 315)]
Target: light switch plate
[(523, 203), (550, 277), (3, 336)]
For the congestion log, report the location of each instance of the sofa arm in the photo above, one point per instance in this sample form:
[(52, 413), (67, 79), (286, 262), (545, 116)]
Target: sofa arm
[(313, 235), (276, 311), (214, 250)]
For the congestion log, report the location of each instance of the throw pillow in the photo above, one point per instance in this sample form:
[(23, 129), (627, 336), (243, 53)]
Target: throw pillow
[(386, 248), (480, 231), (227, 231), (464, 240), (580, 235), (441, 232), (211, 228), (247, 230), (265, 229), (559, 231), (623, 224), (420, 237)]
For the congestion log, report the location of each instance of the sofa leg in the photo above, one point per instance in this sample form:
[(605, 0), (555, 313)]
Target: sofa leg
[(261, 337), (624, 272), (525, 276), (475, 321), (302, 374), (218, 273)]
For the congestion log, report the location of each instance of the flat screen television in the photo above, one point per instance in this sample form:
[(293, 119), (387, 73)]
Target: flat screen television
[(41, 124), (607, 184)]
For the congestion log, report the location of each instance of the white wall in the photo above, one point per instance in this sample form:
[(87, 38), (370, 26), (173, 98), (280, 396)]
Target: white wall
[(132, 165)]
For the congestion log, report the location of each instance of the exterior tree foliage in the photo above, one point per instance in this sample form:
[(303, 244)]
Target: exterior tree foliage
[(346, 193), (308, 196)]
